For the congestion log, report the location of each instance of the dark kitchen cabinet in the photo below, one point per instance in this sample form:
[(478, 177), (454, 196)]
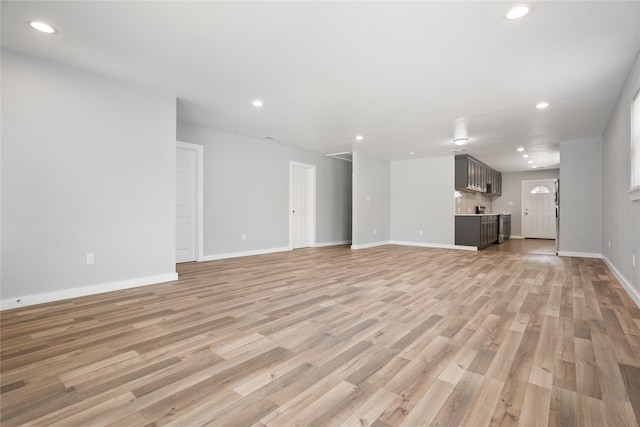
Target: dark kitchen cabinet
[(473, 175), (476, 230)]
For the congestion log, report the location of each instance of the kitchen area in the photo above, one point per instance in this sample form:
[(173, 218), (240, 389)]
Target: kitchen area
[(476, 224)]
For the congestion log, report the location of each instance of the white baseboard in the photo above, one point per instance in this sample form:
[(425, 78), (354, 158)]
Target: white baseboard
[(435, 245), (517, 237), (27, 300), (370, 245), (633, 293), (579, 254), (245, 253), (340, 243)]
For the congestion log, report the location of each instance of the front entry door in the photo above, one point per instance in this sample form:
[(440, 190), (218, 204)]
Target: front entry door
[(539, 214)]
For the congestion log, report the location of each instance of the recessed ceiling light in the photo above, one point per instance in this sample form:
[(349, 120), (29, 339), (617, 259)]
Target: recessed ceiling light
[(524, 156), (359, 137), (42, 27), (257, 103), (534, 167), (542, 105), (520, 149), (411, 153), (460, 141), (530, 161), (519, 11)]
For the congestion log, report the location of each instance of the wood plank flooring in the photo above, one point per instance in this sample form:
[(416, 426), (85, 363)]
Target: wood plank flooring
[(387, 336), (526, 246)]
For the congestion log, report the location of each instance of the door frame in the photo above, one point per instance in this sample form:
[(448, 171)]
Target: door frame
[(311, 170), (199, 153), (551, 182)]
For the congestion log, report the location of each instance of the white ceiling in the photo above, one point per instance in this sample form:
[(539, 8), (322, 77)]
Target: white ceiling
[(403, 74)]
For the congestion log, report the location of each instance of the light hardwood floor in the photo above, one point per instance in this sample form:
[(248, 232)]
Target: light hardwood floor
[(387, 336)]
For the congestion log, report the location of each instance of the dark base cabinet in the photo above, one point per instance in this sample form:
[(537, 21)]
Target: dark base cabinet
[(476, 230)]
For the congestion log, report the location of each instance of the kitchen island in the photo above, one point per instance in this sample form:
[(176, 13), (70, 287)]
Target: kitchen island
[(480, 230)]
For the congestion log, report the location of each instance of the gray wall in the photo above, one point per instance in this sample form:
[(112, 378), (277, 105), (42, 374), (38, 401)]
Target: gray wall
[(371, 200), (621, 215), (511, 199), (88, 165), (246, 191), (581, 196), (422, 199)]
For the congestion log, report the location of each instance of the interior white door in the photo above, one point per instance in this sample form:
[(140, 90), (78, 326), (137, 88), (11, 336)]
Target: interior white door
[(185, 205), (302, 205), (539, 215)]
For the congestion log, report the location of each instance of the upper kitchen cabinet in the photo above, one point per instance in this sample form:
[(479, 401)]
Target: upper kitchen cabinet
[(473, 175)]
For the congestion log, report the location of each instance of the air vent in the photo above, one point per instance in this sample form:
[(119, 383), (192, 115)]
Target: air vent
[(460, 150)]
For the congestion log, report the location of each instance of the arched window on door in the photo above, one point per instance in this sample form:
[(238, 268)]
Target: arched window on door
[(540, 189)]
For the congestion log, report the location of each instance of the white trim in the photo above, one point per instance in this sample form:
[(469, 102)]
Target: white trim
[(199, 150), (340, 243), (435, 245), (371, 245), (633, 293), (516, 237), (45, 297), (312, 196), (579, 254), (354, 199), (245, 253)]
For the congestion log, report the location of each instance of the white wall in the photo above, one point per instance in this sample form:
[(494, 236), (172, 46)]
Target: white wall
[(422, 199), (581, 197), (371, 200), (621, 215), (246, 191), (88, 165), (511, 199)]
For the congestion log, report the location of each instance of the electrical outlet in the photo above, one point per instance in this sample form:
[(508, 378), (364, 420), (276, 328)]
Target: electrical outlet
[(421, 232), (375, 231), (91, 259), (368, 198), (609, 244), (243, 237), (633, 259)]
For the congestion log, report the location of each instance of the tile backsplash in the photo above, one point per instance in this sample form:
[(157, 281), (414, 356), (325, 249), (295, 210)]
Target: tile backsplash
[(467, 202)]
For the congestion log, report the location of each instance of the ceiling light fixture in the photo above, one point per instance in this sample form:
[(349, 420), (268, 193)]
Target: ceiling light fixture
[(411, 153), (534, 167), (42, 27), (524, 156), (519, 11), (542, 105), (521, 149), (359, 137), (530, 161), (257, 103), (460, 141)]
